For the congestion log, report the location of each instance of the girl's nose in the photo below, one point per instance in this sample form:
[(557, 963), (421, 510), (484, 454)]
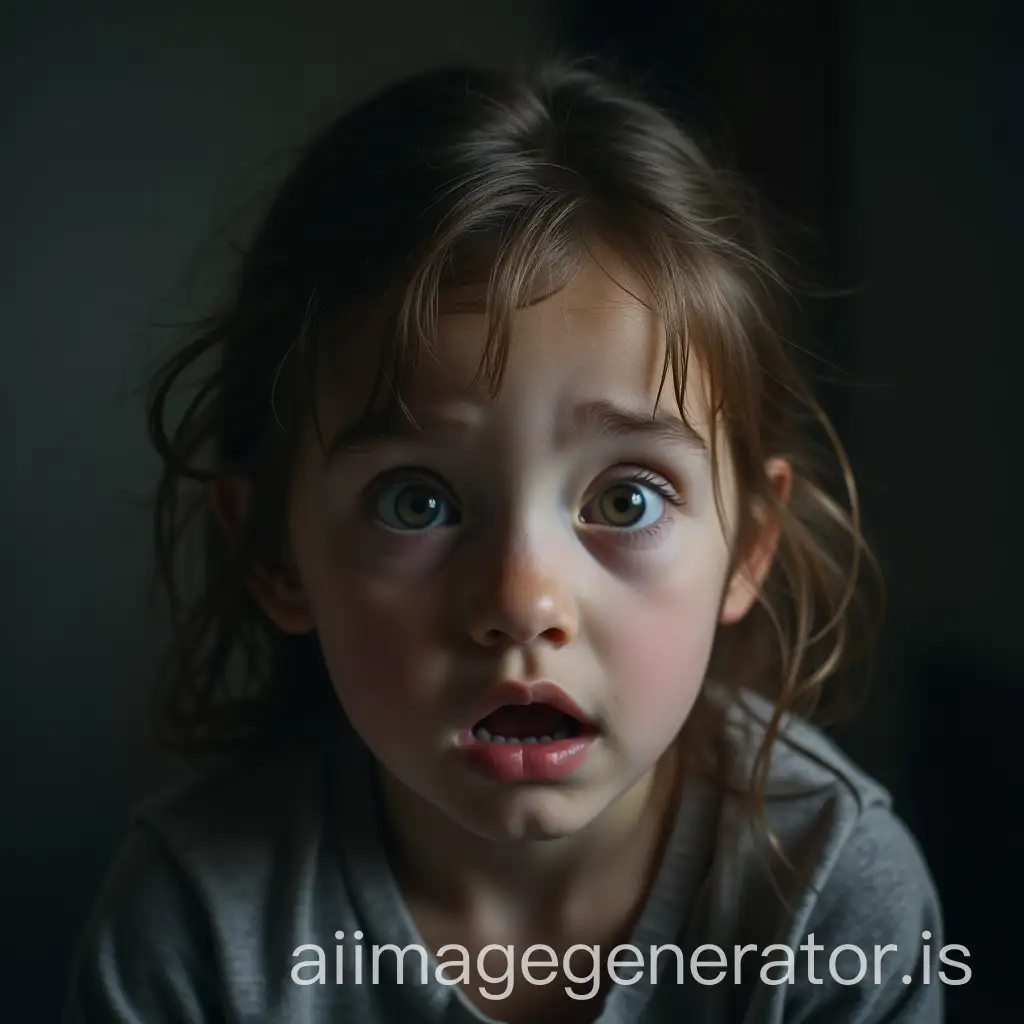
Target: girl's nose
[(521, 603)]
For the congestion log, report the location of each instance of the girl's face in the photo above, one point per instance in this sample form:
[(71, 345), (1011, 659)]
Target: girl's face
[(564, 533)]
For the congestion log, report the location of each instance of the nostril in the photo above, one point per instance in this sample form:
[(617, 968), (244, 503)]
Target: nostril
[(556, 635), (494, 637), (515, 623)]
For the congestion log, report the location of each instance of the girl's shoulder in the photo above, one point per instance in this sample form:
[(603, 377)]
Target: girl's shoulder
[(804, 763), (258, 816), (853, 875), (840, 837), (239, 800), (214, 866)]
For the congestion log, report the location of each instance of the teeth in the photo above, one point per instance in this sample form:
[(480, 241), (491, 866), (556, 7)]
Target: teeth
[(482, 734)]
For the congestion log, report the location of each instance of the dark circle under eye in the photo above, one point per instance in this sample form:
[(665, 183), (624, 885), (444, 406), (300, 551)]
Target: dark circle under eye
[(413, 506)]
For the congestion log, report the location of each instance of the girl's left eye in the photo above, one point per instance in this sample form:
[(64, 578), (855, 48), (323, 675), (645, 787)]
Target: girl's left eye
[(627, 505)]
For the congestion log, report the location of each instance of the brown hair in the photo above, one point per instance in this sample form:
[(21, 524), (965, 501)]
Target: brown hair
[(502, 178)]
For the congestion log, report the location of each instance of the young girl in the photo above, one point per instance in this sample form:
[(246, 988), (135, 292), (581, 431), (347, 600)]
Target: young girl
[(517, 573)]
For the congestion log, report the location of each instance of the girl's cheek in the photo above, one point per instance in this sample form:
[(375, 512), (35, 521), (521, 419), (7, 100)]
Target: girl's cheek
[(380, 655), (657, 654), (365, 551)]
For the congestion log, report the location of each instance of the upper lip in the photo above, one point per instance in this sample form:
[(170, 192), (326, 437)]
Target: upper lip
[(514, 692)]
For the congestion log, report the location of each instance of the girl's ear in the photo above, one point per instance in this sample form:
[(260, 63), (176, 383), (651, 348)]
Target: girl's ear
[(278, 591), (750, 574)]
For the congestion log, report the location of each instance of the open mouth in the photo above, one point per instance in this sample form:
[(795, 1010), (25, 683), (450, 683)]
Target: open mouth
[(528, 734), (529, 723)]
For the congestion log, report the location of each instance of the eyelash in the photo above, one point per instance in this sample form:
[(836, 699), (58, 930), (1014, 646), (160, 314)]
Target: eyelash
[(656, 483)]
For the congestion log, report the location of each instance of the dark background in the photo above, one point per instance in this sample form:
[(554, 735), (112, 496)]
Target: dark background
[(890, 129)]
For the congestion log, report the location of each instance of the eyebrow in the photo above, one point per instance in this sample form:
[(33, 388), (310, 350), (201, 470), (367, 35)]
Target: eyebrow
[(596, 419), (609, 420), (393, 426)]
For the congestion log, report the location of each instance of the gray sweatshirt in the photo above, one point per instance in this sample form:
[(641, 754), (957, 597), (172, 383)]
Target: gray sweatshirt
[(222, 880)]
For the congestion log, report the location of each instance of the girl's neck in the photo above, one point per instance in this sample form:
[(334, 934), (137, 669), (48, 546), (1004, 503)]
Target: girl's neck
[(438, 862)]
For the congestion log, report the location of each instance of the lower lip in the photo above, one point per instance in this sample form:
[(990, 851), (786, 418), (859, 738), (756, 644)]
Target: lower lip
[(527, 762)]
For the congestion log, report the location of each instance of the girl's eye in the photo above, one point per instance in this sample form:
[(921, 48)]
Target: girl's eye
[(627, 505), (414, 507)]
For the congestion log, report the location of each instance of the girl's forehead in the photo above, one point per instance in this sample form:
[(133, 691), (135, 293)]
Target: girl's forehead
[(597, 339), (599, 333)]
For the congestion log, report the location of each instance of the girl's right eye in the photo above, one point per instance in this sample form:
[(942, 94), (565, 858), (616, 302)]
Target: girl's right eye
[(413, 506)]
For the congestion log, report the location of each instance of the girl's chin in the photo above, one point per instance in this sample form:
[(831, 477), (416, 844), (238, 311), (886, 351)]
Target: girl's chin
[(500, 812), (531, 817)]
